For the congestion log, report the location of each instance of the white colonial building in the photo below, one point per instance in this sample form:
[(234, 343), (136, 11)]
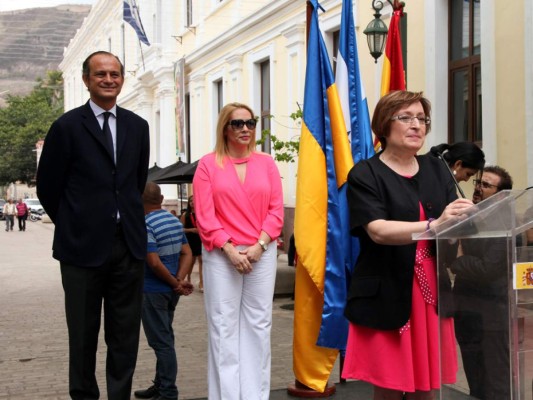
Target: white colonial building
[(473, 59)]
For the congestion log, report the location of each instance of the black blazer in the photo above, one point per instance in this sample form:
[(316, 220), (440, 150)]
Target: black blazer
[(81, 188), (380, 292)]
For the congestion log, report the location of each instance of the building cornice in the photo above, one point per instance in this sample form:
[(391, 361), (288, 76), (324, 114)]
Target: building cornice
[(254, 22)]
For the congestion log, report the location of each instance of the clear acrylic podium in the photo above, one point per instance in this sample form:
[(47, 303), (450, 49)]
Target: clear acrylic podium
[(485, 273)]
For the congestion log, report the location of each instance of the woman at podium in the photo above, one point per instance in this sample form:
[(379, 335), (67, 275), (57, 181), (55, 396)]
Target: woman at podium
[(394, 333)]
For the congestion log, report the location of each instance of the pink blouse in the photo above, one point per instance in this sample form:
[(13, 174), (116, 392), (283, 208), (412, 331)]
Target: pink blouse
[(227, 209)]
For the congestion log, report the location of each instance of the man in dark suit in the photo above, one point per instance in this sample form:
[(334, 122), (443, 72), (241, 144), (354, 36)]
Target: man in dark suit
[(481, 295), (90, 180)]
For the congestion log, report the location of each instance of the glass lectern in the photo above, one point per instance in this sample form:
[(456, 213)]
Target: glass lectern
[(485, 273)]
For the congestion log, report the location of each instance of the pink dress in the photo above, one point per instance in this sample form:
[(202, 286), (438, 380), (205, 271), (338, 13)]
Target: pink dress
[(408, 359)]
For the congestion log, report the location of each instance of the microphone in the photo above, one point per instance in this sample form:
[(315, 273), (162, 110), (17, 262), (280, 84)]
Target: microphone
[(437, 153)]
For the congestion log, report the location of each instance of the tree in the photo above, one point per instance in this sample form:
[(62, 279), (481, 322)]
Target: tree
[(285, 151), (23, 122)]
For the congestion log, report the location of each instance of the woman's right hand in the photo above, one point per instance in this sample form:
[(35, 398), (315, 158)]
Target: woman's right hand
[(239, 261), (454, 210)]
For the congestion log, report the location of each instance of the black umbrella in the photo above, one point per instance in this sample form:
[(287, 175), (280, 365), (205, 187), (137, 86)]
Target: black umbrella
[(162, 171), (183, 173), (177, 173), (153, 170)]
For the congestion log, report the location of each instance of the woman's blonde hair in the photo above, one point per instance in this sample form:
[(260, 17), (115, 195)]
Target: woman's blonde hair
[(221, 146)]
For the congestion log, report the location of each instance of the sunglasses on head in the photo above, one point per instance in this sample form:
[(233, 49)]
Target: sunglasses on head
[(239, 123)]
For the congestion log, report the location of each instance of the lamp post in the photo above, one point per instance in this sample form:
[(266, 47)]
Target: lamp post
[(376, 31)]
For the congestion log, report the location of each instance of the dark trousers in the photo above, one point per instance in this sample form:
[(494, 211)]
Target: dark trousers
[(157, 316), (485, 354), (118, 284), (22, 222)]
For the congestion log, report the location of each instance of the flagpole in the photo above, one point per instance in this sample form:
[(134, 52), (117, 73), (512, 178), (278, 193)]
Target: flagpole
[(142, 54), (298, 389), (309, 10)]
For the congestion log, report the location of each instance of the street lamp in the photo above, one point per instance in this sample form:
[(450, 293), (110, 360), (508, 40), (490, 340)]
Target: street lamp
[(376, 31)]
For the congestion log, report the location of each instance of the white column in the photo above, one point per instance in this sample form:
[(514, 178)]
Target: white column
[(488, 80), (235, 73), (528, 58), (169, 26), (167, 128), (200, 123), (436, 59), (295, 82), (144, 108)]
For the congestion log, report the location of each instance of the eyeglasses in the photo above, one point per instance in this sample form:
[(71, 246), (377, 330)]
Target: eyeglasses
[(238, 124), (483, 184), (407, 119)]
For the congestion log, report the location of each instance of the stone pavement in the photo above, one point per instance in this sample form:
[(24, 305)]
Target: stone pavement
[(33, 333)]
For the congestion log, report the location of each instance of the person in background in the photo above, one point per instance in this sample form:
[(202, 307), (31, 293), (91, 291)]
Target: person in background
[(22, 215), (465, 159), (188, 219), (9, 210), (239, 209), (393, 339), (481, 296), (90, 180), (167, 263), (529, 232), (292, 255)]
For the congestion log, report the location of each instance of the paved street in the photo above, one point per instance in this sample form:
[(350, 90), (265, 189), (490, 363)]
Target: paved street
[(33, 335)]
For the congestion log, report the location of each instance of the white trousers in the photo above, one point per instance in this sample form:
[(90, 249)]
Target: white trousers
[(239, 318)]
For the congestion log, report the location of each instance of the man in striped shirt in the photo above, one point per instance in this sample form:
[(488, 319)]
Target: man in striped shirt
[(168, 260)]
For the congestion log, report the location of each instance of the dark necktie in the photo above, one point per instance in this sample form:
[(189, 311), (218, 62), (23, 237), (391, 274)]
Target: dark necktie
[(107, 132)]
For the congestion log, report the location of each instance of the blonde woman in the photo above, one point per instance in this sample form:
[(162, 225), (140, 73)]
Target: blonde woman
[(239, 209)]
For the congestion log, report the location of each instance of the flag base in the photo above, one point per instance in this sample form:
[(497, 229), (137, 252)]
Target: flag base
[(300, 390)]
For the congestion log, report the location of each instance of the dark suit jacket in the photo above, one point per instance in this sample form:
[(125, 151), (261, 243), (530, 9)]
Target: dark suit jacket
[(81, 188)]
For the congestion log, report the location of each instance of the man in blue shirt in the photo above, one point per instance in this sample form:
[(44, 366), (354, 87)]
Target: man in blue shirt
[(168, 260)]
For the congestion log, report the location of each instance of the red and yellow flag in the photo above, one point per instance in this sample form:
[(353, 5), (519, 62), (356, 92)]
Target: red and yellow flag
[(393, 74)]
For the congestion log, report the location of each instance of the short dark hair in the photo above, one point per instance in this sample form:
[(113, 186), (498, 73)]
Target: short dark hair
[(506, 182), (85, 66), (389, 104), (152, 194)]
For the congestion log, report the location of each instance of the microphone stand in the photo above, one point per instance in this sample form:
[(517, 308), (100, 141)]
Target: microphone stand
[(439, 155)]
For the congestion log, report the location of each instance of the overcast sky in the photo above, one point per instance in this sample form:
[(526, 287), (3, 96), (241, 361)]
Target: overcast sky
[(6, 5)]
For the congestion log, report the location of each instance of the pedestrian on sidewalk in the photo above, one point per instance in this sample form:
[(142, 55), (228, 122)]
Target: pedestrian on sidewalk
[(188, 219), (9, 210), (239, 208), (167, 263), (22, 214), (90, 180)]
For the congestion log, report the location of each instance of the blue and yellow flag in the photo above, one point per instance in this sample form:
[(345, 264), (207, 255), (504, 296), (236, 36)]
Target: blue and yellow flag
[(324, 162), (334, 328)]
